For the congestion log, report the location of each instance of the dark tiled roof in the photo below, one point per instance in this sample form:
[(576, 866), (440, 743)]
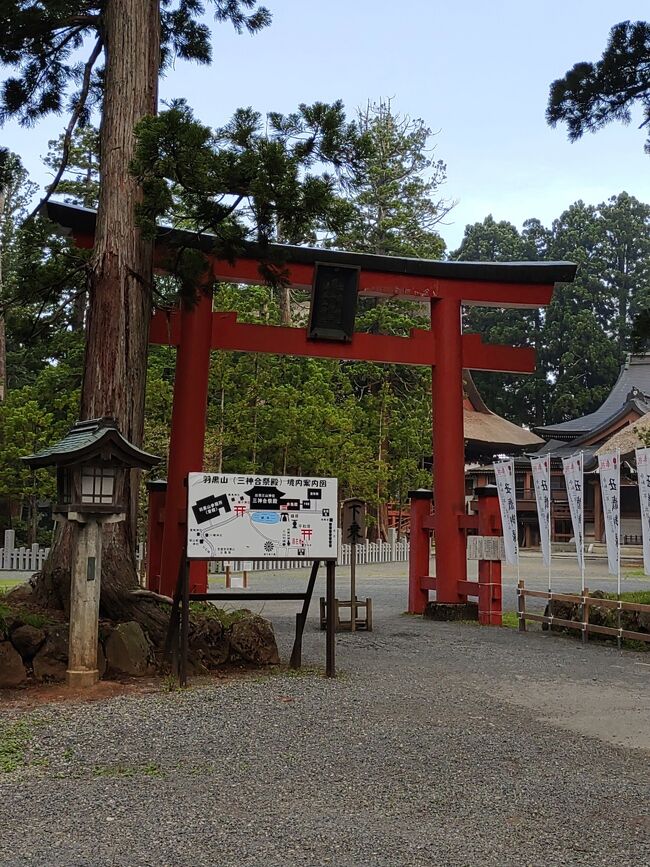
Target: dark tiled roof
[(633, 384)]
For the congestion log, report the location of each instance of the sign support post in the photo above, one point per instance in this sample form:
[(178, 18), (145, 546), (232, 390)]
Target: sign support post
[(330, 638)]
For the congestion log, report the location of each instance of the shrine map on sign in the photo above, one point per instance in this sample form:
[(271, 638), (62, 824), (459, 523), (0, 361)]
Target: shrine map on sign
[(246, 517)]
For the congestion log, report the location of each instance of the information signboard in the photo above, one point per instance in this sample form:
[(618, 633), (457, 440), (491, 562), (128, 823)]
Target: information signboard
[(249, 517)]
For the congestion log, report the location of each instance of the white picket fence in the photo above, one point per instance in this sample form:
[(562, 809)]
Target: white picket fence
[(21, 559), (367, 553), (393, 551)]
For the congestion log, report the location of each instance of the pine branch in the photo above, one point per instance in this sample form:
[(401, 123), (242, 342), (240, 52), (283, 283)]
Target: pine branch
[(72, 123)]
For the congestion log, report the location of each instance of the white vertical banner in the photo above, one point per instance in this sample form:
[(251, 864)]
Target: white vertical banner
[(643, 471), (572, 467), (541, 468), (504, 472), (610, 487)]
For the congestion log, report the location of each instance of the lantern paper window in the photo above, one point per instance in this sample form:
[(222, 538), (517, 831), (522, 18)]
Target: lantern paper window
[(97, 484)]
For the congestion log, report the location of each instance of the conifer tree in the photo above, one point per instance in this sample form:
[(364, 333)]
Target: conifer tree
[(591, 95), (125, 41)]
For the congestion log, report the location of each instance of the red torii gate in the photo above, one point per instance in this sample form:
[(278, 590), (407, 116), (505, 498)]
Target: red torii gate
[(197, 330)]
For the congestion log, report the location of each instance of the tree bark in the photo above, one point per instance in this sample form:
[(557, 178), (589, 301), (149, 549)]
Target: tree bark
[(3, 329), (285, 306), (120, 281)]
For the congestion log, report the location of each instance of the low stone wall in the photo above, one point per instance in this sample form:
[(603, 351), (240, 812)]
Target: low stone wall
[(34, 648)]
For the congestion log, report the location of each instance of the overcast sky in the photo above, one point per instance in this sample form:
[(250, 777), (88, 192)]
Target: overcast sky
[(476, 72)]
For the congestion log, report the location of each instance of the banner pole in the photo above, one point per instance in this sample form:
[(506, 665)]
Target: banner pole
[(550, 522), (620, 538), (582, 519), (618, 565)]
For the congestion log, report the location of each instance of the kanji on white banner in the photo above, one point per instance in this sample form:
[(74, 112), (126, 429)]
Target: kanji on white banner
[(574, 485), (541, 468), (610, 488), (504, 472), (643, 471)]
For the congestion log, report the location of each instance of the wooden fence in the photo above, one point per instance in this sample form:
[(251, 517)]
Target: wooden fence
[(393, 551), (367, 553), (21, 559), (584, 604)]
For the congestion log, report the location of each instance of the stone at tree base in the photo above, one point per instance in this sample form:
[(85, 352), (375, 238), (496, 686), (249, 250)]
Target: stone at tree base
[(643, 621), (51, 661), (28, 640), (128, 651), (442, 611), (12, 670), (252, 638), (20, 593), (208, 643), (563, 611)]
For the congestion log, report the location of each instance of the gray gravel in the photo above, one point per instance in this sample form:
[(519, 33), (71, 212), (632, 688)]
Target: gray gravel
[(439, 744)]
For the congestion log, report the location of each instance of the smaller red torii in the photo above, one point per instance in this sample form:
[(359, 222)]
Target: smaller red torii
[(196, 330)]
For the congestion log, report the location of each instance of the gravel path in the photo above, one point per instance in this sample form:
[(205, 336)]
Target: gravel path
[(439, 744)]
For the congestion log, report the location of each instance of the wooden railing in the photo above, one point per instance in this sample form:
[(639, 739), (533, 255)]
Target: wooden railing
[(586, 603)]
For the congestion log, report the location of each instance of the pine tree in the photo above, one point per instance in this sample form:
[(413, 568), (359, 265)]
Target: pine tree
[(395, 188), (134, 38), (520, 398), (79, 183), (591, 95)]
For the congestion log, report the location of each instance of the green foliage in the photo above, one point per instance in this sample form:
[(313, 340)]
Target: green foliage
[(641, 597), (394, 188), (79, 184), (15, 738), (592, 95), (582, 337), (42, 42), (254, 179)]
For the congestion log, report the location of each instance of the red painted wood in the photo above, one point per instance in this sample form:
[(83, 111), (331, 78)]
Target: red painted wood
[(155, 523), (230, 335), (490, 606), (448, 451), (187, 438), (492, 356), (165, 327), (420, 543)]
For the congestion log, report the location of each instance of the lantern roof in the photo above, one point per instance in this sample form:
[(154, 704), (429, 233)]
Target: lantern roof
[(92, 438)]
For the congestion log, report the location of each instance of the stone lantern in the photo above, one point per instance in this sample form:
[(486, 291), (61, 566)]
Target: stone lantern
[(91, 462)]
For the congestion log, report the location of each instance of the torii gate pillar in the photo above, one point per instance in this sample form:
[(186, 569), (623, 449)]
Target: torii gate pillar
[(186, 443), (448, 449)]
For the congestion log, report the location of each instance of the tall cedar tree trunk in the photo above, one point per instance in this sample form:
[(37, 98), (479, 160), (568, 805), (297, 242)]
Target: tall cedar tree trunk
[(3, 330), (119, 290)]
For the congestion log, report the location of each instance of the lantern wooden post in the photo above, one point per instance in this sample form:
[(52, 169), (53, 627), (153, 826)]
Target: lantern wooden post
[(90, 461)]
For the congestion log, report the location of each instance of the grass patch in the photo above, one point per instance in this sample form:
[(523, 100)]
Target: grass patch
[(119, 771), (510, 619), (225, 616), (641, 597), (7, 584), (170, 684), (32, 618), (14, 741)]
